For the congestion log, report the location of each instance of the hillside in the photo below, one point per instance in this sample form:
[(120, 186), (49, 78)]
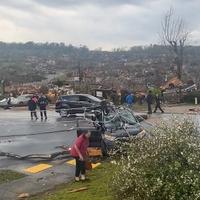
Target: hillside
[(28, 62)]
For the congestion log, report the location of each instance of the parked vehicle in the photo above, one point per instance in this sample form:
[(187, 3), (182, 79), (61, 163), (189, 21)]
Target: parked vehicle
[(77, 103), (4, 102), (21, 100)]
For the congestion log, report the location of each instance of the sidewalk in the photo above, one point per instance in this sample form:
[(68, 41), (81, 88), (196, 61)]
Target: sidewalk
[(24, 108), (33, 184), (173, 109)]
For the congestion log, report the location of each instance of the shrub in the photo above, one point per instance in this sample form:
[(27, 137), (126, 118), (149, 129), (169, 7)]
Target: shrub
[(189, 98), (164, 166)]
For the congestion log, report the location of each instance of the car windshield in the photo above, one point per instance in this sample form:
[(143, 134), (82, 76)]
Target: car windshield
[(69, 98), (120, 116), (77, 98), (127, 117), (94, 98)]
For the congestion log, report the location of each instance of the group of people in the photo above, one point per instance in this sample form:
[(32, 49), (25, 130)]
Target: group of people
[(42, 103), (130, 99)]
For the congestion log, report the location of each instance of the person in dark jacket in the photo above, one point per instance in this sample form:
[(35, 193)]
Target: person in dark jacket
[(42, 103), (149, 102), (158, 104), (32, 106)]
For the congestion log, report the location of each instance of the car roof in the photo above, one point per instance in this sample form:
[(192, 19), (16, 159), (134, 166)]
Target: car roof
[(86, 95), (24, 95)]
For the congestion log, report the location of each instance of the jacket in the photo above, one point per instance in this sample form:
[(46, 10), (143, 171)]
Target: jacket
[(42, 102), (32, 105), (149, 99), (82, 144), (129, 99)]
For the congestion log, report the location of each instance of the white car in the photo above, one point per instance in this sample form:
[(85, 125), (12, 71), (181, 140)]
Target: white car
[(4, 102), (21, 100)]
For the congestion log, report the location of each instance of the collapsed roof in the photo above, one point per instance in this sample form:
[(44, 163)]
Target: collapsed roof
[(172, 83)]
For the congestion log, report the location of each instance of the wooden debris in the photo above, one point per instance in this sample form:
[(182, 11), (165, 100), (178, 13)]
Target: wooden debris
[(78, 190), (23, 195)]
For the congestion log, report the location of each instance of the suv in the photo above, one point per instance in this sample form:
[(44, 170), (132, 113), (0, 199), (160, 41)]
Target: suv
[(77, 103)]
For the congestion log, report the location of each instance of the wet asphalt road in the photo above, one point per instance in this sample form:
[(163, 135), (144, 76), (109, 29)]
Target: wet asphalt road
[(15, 123), (49, 134), (42, 137)]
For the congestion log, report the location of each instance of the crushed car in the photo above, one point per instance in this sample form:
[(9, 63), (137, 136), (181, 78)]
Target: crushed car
[(118, 125)]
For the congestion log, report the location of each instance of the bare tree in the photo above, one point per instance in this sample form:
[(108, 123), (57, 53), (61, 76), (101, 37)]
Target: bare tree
[(174, 36)]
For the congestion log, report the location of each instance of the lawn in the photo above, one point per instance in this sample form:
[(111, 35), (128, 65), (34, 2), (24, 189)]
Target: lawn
[(97, 187), (8, 175), (140, 108)]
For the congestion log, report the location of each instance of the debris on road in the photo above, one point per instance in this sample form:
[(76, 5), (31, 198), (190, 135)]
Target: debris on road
[(78, 190), (23, 195)]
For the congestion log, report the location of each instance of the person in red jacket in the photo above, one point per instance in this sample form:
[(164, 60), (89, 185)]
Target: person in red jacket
[(79, 152)]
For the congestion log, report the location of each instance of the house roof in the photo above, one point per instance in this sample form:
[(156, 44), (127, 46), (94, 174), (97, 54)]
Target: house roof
[(174, 81)]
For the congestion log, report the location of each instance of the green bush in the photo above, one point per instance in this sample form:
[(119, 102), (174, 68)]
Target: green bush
[(164, 166)]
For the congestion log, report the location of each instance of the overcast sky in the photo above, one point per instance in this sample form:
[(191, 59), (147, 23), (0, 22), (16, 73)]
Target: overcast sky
[(94, 23)]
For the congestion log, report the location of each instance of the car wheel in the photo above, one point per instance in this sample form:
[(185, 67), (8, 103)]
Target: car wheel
[(21, 103), (63, 113)]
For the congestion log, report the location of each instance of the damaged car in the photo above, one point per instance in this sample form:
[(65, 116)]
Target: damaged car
[(118, 125), (121, 125)]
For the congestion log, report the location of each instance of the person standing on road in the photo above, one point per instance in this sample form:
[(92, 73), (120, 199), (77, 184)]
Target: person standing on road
[(130, 100), (42, 103), (149, 102), (8, 103), (158, 104), (32, 106), (79, 152)]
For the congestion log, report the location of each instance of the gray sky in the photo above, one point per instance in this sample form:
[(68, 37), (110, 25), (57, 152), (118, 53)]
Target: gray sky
[(94, 23)]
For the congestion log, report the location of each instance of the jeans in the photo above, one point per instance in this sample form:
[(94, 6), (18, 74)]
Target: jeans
[(80, 167), (158, 106), (43, 111), (34, 114), (149, 109)]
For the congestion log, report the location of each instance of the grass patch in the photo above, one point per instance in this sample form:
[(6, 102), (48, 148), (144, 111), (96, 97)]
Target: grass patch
[(8, 175), (97, 187), (140, 108)]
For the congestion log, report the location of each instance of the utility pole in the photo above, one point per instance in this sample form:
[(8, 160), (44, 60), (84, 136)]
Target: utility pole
[(79, 72), (2, 87)]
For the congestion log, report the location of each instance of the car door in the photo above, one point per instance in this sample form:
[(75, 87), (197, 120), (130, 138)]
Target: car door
[(85, 102), (73, 101)]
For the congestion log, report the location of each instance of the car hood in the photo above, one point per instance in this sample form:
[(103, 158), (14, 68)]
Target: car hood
[(130, 129)]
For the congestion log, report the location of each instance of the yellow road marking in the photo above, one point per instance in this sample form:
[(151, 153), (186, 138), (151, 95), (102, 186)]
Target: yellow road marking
[(95, 165), (37, 168), (73, 162)]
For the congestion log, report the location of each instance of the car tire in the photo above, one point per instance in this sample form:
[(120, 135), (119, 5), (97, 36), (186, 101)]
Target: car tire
[(63, 113), (21, 103)]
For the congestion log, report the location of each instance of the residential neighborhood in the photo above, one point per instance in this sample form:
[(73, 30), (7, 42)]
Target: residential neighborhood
[(99, 100)]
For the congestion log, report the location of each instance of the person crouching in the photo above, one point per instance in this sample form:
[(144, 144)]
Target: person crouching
[(79, 152)]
